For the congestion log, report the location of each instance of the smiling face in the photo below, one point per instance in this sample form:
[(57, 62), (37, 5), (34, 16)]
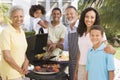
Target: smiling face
[(71, 15), (17, 18), (90, 18), (56, 14), (37, 14), (96, 37)]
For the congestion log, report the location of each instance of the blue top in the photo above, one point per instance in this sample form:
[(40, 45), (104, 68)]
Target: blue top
[(99, 63)]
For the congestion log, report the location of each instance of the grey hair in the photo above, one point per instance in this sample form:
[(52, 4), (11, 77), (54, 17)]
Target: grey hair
[(72, 8), (15, 8)]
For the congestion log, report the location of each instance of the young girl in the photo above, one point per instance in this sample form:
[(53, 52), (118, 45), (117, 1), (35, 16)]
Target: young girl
[(98, 61), (39, 25)]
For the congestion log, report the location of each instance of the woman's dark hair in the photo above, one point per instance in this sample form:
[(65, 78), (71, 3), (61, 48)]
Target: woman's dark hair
[(35, 8), (82, 27), (56, 8), (97, 27)]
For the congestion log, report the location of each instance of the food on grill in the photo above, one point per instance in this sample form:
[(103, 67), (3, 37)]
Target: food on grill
[(64, 56), (48, 68), (37, 68), (55, 69), (39, 56), (52, 65)]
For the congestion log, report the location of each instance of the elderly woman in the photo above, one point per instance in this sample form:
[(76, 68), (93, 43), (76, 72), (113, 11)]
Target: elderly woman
[(13, 45)]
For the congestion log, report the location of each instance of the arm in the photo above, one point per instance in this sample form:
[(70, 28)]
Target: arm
[(110, 49), (77, 63), (8, 58), (42, 23), (110, 66), (25, 65), (111, 75), (87, 76), (56, 45), (77, 66), (59, 43)]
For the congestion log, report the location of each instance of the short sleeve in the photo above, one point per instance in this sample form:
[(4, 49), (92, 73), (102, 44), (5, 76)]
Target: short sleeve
[(5, 40), (110, 62), (104, 37), (36, 26), (63, 33)]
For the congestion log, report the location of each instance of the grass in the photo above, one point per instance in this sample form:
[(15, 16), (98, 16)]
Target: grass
[(117, 55)]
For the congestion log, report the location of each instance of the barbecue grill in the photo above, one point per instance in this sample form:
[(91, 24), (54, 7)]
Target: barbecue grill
[(36, 44)]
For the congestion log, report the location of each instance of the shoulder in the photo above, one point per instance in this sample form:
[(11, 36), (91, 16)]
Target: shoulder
[(6, 29), (22, 31), (37, 19), (62, 25)]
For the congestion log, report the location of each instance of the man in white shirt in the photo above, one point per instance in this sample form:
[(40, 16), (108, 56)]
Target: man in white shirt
[(71, 36), (72, 23)]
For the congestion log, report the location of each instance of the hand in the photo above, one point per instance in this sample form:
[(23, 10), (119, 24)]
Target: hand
[(25, 67), (43, 23), (46, 22), (109, 49), (49, 42), (20, 71), (52, 47)]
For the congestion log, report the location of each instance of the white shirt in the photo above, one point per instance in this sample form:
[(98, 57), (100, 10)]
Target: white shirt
[(74, 28), (85, 44), (57, 32), (69, 30), (36, 26)]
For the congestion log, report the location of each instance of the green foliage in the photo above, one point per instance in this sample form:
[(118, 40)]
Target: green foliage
[(29, 33), (109, 13), (4, 9), (82, 4), (117, 55), (110, 17)]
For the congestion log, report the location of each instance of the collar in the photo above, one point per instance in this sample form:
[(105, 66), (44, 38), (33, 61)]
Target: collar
[(101, 47), (13, 29), (76, 24), (57, 26), (74, 28)]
